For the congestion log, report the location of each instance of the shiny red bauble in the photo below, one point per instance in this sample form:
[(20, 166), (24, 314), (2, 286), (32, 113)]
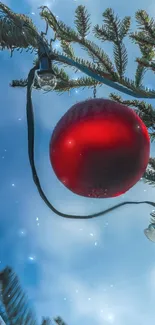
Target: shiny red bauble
[(99, 148)]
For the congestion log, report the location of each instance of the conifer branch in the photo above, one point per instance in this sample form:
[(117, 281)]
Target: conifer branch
[(67, 34), (62, 86), (59, 321), (103, 65), (114, 31), (14, 300), (149, 178), (145, 23), (139, 75), (145, 111), (67, 49), (82, 21), (17, 31), (145, 63)]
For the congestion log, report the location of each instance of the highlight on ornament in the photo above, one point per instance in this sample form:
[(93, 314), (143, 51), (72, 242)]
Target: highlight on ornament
[(99, 148)]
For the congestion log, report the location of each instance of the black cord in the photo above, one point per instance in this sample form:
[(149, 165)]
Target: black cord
[(30, 126)]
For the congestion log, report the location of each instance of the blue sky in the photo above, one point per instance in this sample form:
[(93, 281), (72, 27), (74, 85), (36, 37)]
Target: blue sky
[(91, 271)]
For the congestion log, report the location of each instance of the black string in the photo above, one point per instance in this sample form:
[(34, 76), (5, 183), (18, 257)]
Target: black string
[(30, 126)]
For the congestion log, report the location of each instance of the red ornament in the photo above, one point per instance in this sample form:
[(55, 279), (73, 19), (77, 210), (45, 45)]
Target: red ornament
[(99, 148)]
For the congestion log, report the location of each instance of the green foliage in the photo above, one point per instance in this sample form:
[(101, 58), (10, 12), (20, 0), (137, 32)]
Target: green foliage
[(16, 31), (82, 21), (67, 49), (14, 300), (14, 306)]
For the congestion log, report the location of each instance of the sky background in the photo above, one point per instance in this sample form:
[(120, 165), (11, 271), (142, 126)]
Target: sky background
[(94, 272)]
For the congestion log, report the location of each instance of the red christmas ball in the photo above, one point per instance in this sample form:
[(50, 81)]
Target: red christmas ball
[(99, 148)]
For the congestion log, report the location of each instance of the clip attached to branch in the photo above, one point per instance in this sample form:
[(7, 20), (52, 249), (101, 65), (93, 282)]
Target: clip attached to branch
[(45, 76)]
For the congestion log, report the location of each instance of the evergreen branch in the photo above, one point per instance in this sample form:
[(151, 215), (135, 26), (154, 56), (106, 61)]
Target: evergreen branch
[(147, 51), (152, 163), (120, 54), (97, 54), (60, 74), (14, 300), (120, 58), (114, 31), (68, 50), (16, 31), (145, 63), (61, 86), (145, 23), (59, 321), (139, 75), (149, 177), (152, 136), (124, 27), (145, 111), (141, 38), (3, 314), (104, 33), (82, 21), (67, 34), (132, 85)]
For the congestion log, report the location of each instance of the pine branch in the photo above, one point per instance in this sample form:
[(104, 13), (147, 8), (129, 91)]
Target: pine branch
[(139, 75), (16, 31), (67, 34), (14, 300), (114, 31), (149, 178), (145, 63), (104, 33), (149, 175), (82, 21), (145, 23), (3, 315), (103, 66), (146, 36), (61, 86), (141, 38), (145, 111), (59, 321), (120, 53), (68, 50)]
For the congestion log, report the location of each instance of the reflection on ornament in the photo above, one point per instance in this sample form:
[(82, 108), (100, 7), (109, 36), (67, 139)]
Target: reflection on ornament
[(46, 80), (99, 148)]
